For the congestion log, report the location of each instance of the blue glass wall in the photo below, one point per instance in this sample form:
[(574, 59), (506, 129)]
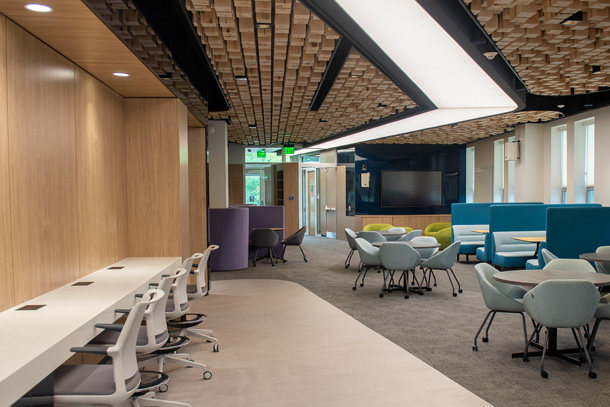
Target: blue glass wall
[(450, 159)]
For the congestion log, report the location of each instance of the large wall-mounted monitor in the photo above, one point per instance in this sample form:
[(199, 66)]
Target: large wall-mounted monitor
[(411, 188)]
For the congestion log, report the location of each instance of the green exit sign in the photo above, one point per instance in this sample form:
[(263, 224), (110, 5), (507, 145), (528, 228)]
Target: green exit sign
[(288, 149), (261, 154)]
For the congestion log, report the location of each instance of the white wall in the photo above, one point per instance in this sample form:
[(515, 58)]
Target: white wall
[(534, 171)]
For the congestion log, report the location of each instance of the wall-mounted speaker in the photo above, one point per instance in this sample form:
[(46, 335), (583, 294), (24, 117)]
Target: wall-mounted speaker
[(512, 151)]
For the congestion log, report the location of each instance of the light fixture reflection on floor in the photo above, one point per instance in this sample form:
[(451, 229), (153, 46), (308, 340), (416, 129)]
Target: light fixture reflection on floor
[(121, 74), (450, 78)]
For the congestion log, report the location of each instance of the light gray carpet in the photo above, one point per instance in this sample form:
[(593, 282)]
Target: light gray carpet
[(439, 329)]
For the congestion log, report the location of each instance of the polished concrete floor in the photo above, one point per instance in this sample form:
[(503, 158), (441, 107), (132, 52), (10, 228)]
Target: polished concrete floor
[(281, 345)]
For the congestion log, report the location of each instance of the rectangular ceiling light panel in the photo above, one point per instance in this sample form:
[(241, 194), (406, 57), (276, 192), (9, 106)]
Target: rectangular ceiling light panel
[(433, 60)]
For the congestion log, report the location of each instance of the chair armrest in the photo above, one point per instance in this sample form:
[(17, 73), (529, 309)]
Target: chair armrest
[(98, 350), (110, 327)]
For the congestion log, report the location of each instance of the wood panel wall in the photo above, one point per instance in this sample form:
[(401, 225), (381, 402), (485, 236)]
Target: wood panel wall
[(237, 183), (7, 297), (343, 221), (197, 189), (42, 165), (100, 186), (154, 207), (291, 189)]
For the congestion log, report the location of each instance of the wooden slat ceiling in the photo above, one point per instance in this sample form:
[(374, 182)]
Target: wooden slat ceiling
[(284, 65), (75, 32), (467, 132), (551, 58)]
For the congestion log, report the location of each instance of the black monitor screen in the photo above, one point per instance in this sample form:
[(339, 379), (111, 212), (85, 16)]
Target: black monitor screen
[(411, 188)]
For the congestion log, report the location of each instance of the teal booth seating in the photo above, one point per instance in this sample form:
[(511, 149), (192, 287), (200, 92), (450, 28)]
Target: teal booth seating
[(470, 240), (509, 252), (573, 230)]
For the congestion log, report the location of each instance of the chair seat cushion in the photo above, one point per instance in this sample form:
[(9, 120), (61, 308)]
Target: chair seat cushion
[(470, 247), (85, 380), (512, 259), (481, 254)]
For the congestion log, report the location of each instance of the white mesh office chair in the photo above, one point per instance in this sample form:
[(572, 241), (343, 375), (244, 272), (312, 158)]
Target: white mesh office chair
[(186, 322), (108, 384)]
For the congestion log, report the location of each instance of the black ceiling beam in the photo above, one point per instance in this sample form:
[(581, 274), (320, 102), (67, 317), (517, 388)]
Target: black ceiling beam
[(172, 23), (569, 104), (335, 64), (335, 17)]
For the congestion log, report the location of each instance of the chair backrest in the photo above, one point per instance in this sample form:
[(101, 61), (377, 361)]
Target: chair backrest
[(398, 256), (467, 236), (296, 238), (263, 238), (351, 238), (498, 296), (547, 256), (201, 273), (123, 352), (156, 326), (369, 254), (570, 265), (178, 303), (436, 227), (410, 235), (504, 242), (397, 230), (562, 303), (371, 236), (444, 259), (603, 266)]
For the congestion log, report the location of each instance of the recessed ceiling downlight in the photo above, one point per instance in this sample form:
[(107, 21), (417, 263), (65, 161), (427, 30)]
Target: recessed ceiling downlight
[(40, 8), (122, 74)]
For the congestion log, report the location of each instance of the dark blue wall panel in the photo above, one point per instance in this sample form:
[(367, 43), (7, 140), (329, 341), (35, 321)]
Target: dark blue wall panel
[(450, 159)]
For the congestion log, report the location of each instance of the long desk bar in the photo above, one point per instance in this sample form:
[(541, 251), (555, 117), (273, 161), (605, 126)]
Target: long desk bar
[(34, 343)]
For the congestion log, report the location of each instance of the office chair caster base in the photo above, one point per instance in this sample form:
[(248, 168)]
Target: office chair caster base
[(485, 339), (207, 375), (460, 291), (354, 288), (380, 295), (592, 375), (455, 294), (475, 348), (361, 284), (215, 348), (544, 374)]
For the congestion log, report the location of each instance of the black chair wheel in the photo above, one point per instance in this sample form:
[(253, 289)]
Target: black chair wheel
[(592, 375), (592, 349), (428, 289), (215, 348), (475, 348), (526, 359), (361, 284), (435, 284), (544, 374), (406, 297), (460, 291), (455, 294), (380, 295), (347, 266), (485, 339), (207, 375), (305, 260), (284, 261), (420, 293), (354, 288)]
